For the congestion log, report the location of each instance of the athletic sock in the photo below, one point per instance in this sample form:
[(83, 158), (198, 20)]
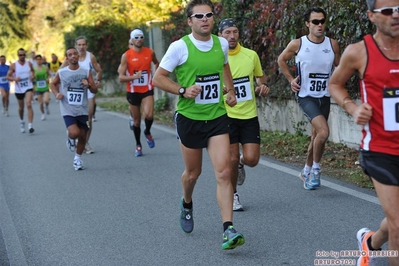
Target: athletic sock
[(94, 112), (148, 124), (306, 169), (316, 165), (226, 225), (77, 156), (369, 244), (187, 205), (136, 132)]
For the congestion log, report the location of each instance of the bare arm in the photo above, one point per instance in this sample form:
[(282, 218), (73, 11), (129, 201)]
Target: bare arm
[(96, 67), (92, 85), (228, 83), (10, 73), (261, 89), (336, 49), (48, 73), (122, 71), (54, 86), (162, 81), (155, 60), (32, 71), (289, 52), (353, 61)]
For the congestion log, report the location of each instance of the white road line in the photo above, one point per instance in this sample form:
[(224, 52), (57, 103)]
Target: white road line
[(287, 170), (325, 183)]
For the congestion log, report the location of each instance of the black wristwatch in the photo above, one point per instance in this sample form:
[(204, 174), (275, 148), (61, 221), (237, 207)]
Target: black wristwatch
[(182, 90)]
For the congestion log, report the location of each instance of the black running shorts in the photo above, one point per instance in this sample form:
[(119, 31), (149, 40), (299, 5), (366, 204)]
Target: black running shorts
[(382, 167), (135, 98), (21, 96), (244, 130), (194, 134)]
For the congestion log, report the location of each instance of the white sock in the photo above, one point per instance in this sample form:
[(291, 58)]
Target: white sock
[(30, 125), (316, 165), (307, 169), (77, 156)]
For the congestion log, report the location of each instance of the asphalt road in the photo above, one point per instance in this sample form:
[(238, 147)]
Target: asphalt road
[(123, 210)]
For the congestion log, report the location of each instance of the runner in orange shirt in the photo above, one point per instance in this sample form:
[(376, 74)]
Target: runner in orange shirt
[(135, 70)]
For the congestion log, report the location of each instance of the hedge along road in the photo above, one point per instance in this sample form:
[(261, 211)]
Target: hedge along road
[(124, 210)]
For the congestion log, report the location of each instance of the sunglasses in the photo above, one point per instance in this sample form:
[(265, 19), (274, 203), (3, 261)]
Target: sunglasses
[(200, 16), (139, 37), (21, 54), (318, 21), (387, 11)]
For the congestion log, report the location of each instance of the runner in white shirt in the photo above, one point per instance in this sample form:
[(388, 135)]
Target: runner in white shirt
[(22, 73)]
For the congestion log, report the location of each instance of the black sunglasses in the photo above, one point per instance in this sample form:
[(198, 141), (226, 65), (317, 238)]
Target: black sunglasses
[(139, 37), (200, 16), (318, 21), (21, 54), (387, 11)]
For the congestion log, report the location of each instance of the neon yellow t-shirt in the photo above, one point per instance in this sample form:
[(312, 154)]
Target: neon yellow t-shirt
[(244, 65)]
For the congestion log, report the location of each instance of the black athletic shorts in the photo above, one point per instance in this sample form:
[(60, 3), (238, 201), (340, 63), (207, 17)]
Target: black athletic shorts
[(21, 96), (244, 130), (381, 166), (194, 134), (313, 107), (135, 98)]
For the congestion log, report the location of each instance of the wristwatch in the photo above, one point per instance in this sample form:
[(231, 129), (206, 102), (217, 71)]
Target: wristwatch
[(182, 90)]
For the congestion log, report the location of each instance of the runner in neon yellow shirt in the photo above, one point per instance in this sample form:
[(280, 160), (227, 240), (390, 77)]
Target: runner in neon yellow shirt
[(243, 118)]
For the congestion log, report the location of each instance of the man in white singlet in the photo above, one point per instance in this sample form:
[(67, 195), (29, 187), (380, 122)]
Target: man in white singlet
[(22, 73), (316, 55)]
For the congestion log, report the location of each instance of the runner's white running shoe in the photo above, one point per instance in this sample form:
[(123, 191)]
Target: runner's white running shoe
[(237, 207), (78, 164), (22, 127)]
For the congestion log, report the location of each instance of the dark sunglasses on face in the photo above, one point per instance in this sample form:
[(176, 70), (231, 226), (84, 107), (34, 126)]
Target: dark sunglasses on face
[(387, 11), (200, 16), (318, 21), (139, 37), (21, 54)]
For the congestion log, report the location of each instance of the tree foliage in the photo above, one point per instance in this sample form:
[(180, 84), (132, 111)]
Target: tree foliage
[(12, 22), (37, 27), (267, 26)]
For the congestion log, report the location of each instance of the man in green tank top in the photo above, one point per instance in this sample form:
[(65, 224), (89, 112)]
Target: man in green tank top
[(42, 75), (200, 61)]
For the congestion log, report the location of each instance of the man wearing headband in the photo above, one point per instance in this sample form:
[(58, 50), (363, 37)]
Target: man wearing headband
[(200, 62), (315, 58), (135, 70), (243, 118)]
